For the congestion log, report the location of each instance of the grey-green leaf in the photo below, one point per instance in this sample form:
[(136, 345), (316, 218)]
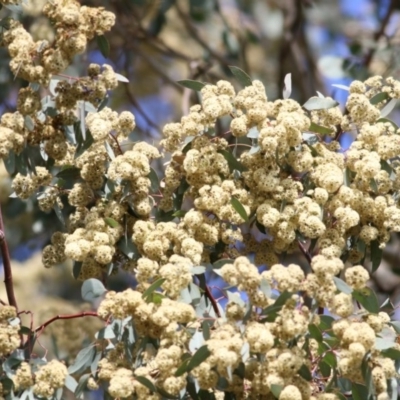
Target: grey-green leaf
[(241, 76), (237, 205), (104, 46), (191, 84), (91, 289), (201, 355), (317, 103), (342, 286)]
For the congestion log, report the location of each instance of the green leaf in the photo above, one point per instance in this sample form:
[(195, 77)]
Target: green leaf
[(317, 103), (83, 360), (342, 286), (82, 385), (155, 182), (104, 46), (376, 255), (9, 162), (146, 382), (128, 248), (378, 98), (394, 354), (201, 355), (326, 322), (276, 390), (111, 222), (69, 172), (272, 310), (218, 264), (232, 161), (386, 120), (70, 383), (240, 76), (319, 129), (182, 368), (325, 369), (191, 84), (91, 289), (305, 373), (373, 185), (315, 333), (237, 205), (154, 286), (367, 298), (76, 269), (388, 108)]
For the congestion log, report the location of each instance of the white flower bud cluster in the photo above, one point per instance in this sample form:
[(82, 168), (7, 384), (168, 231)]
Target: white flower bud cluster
[(134, 167), (9, 336), (12, 133), (25, 186), (49, 378)]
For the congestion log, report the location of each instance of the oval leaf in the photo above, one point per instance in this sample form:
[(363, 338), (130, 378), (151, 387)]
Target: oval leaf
[(342, 286), (154, 286), (240, 76), (104, 46), (316, 103), (91, 289), (111, 222), (237, 205), (191, 84), (201, 354)]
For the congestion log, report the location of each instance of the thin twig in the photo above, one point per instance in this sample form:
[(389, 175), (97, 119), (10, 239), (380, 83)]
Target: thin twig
[(213, 301), (8, 279), (67, 316), (196, 36), (381, 31)]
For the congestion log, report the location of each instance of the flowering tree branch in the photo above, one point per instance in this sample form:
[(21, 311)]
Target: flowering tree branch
[(5, 254)]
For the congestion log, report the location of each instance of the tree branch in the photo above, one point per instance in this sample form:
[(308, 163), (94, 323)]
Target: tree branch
[(213, 301), (67, 316), (5, 254), (381, 31)]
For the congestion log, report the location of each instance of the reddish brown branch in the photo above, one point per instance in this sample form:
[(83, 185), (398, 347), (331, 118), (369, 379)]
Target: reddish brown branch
[(68, 316), (8, 280), (213, 301), (304, 251)]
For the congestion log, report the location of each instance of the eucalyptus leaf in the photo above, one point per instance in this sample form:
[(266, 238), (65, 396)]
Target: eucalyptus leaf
[(83, 360), (287, 88), (237, 205), (241, 76), (191, 84), (201, 355), (104, 46), (91, 289), (316, 103), (342, 286)]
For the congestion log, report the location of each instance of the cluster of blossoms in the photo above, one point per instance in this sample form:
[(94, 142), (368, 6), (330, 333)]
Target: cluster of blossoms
[(46, 380), (75, 25), (9, 337), (286, 186)]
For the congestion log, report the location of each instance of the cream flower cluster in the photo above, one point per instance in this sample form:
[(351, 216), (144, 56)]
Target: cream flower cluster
[(75, 25), (49, 378), (25, 186), (134, 167), (9, 336)]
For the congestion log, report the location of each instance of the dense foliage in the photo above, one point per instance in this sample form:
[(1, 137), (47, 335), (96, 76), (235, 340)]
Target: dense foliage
[(230, 203)]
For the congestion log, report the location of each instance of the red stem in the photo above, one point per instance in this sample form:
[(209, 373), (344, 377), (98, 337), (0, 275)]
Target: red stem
[(213, 301), (8, 279), (67, 316)]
